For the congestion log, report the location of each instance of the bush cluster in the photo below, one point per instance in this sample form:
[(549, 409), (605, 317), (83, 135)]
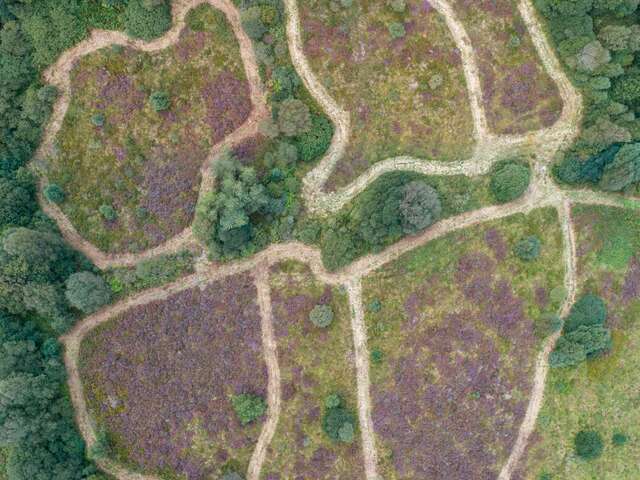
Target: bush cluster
[(598, 41), (584, 335), (338, 422)]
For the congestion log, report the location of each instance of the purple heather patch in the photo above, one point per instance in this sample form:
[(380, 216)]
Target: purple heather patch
[(169, 363)]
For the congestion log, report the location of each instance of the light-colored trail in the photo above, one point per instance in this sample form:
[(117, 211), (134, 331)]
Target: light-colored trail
[(542, 363), (59, 75), (359, 333), (274, 394)]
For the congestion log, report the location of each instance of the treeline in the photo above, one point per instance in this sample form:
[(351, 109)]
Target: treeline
[(44, 285), (598, 41)]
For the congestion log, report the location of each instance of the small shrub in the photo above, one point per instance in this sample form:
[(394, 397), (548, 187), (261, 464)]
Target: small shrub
[(321, 316), (588, 444), (98, 119), (87, 292), (619, 439), (396, 30), (159, 101), (375, 306), (333, 401), (108, 212), (54, 193), (528, 248), (509, 181), (377, 356), (248, 407)]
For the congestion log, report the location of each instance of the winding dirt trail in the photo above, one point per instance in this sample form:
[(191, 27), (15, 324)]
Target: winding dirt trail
[(274, 393), (59, 75), (542, 192)]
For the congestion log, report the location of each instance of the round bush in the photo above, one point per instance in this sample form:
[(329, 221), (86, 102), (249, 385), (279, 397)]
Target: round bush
[(87, 292), (339, 424), (588, 444), (160, 101), (619, 439), (108, 212), (420, 206), (509, 181), (528, 248), (588, 310), (98, 119), (396, 30), (54, 193), (248, 407), (321, 316)]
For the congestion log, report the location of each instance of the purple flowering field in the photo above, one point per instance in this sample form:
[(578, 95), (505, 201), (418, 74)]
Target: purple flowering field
[(159, 378), (314, 363), (406, 95), (518, 94), (143, 163), (456, 328)]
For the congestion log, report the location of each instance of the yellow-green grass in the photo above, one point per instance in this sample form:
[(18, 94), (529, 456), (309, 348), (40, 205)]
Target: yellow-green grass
[(439, 335), (142, 163), (601, 394), (518, 93), (314, 363), (405, 96)]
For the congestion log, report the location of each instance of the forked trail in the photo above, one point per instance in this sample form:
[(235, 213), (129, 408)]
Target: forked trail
[(542, 193), (59, 75)]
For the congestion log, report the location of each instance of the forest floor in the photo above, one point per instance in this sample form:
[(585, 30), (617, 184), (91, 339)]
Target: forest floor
[(490, 148)]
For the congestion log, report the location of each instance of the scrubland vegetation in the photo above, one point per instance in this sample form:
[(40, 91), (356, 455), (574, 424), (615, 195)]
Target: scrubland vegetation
[(138, 129), (456, 326), (597, 40), (189, 398), (588, 427), (317, 435), (395, 68)]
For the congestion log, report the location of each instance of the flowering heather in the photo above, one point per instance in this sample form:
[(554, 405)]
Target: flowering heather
[(406, 95), (161, 375), (314, 362), (459, 350), (146, 163)]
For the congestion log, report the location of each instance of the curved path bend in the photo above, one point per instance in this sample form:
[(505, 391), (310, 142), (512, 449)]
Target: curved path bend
[(59, 75)]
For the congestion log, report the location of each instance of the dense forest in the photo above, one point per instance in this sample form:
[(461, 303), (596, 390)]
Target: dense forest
[(44, 286)]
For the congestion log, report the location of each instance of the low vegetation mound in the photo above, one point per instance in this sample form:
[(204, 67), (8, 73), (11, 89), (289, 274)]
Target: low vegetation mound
[(178, 384), (138, 129)]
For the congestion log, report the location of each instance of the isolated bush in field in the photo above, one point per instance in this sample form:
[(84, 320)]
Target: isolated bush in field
[(338, 422), (588, 444), (528, 248), (159, 101), (397, 5), (619, 439), (509, 181), (248, 407), (321, 316), (147, 19), (252, 23), (294, 117), (377, 356), (396, 30), (98, 119), (420, 206), (54, 193), (87, 292), (588, 310), (623, 170), (108, 212)]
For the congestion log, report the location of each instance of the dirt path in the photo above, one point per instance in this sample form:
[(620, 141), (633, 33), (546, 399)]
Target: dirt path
[(359, 333), (59, 75), (274, 396), (542, 363)]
